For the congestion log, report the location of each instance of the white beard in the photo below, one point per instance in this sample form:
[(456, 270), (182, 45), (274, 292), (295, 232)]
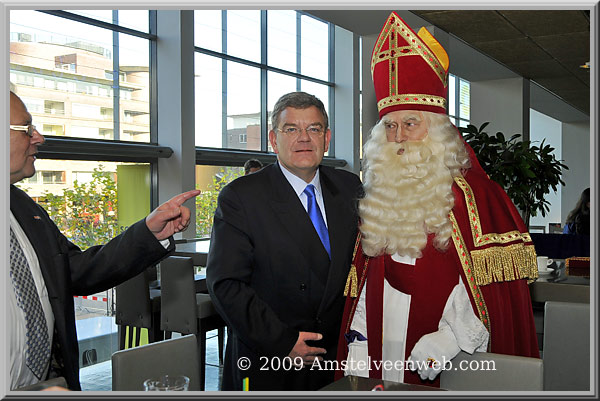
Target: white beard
[(407, 196)]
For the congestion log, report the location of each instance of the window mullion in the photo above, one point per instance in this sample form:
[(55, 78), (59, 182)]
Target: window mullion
[(116, 87), (264, 117), (298, 49), (331, 78), (224, 78)]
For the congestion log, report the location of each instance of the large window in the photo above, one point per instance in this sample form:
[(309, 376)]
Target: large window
[(245, 60), (459, 98), (64, 71), (82, 197), (62, 65), (210, 180)]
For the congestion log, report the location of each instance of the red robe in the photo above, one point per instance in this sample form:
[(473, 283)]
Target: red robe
[(490, 249)]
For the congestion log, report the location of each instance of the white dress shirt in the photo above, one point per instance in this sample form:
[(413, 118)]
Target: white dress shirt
[(20, 375), (299, 186)]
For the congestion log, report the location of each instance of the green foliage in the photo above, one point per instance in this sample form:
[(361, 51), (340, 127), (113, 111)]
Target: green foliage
[(525, 171), (86, 213), (206, 202)]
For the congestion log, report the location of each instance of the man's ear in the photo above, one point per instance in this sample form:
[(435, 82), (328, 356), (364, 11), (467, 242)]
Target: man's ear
[(273, 140), (327, 139)]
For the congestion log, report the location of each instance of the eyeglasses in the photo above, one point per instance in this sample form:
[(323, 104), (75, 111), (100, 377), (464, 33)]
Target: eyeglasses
[(28, 129), (312, 130)]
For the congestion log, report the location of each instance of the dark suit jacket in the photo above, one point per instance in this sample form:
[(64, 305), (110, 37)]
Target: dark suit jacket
[(270, 276), (68, 271)]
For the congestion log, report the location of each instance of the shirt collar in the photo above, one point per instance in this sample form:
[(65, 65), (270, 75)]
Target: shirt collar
[(298, 183)]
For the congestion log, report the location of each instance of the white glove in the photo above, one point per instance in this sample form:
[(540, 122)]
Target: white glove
[(431, 351)]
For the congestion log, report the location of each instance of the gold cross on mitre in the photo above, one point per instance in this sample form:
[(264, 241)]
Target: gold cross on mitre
[(413, 63)]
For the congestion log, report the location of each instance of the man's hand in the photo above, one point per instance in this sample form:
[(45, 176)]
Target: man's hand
[(170, 217), (56, 388), (304, 351)]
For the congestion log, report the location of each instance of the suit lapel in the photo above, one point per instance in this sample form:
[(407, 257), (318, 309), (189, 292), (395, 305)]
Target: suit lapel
[(35, 225)]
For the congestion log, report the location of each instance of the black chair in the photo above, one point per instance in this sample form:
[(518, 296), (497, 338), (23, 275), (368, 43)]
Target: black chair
[(138, 306), (185, 311)]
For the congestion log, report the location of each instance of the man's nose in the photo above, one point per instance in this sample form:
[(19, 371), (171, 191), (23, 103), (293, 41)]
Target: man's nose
[(303, 135), (400, 136), (37, 137)]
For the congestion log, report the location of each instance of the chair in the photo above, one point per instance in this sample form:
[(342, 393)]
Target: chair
[(178, 356), (185, 311), (137, 306), (493, 372), (567, 346)]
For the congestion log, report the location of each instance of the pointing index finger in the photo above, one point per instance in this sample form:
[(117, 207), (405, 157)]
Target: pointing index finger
[(179, 199)]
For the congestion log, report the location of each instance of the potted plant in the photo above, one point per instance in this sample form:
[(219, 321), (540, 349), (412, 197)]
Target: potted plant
[(525, 171)]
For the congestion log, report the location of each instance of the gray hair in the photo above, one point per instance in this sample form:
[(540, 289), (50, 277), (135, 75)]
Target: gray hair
[(297, 100)]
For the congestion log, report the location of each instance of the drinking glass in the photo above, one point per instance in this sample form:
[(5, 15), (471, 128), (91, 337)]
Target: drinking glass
[(167, 383)]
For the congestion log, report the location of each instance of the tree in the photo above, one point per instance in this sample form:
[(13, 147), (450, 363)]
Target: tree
[(526, 171), (206, 202), (86, 213)]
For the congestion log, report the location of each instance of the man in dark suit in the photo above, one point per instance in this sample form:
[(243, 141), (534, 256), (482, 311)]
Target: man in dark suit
[(276, 275), (47, 270)]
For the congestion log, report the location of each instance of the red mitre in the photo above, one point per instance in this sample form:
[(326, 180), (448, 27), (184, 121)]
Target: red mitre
[(409, 70)]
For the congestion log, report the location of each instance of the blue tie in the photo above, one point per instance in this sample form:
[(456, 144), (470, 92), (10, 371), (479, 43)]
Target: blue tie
[(317, 218)]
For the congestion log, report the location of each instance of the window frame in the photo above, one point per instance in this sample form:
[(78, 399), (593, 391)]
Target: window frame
[(116, 150), (455, 114), (236, 157)]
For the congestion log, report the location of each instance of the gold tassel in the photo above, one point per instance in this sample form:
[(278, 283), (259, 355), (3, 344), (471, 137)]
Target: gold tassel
[(504, 263), (352, 283)]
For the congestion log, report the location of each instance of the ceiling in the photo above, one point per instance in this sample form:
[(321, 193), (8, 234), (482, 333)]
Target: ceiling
[(545, 46)]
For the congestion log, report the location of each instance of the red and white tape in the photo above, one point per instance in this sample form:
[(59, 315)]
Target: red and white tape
[(91, 298)]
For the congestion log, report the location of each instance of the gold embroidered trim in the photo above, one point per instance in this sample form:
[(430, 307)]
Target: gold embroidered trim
[(352, 280), (412, 98), (479, 239), (392, 73), (400, 51), (466, 263), (363, 277), (415, 44), (352, 283), (504, 263)]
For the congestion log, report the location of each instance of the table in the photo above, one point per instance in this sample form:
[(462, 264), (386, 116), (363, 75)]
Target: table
[(355, 383), (560, 287), (197, 250)]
